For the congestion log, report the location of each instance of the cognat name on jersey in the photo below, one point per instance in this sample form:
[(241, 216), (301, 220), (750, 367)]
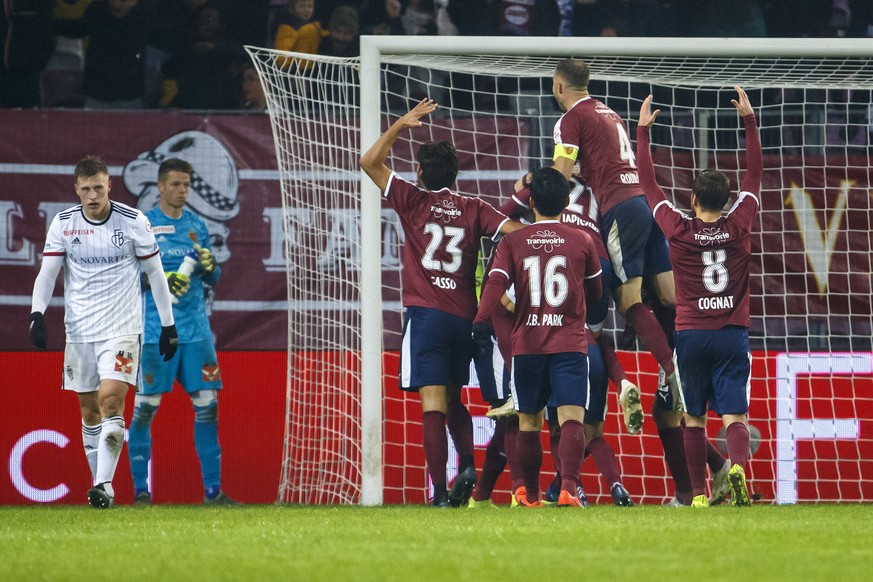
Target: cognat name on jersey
[(726, 302)]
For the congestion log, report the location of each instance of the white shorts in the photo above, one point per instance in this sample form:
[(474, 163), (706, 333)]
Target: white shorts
[(85, 364)]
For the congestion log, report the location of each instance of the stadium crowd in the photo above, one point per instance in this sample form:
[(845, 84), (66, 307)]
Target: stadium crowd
[(189, 54)]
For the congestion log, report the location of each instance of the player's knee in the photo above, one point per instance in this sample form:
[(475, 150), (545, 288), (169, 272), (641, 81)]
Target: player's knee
[(145, 408), (205, 406)]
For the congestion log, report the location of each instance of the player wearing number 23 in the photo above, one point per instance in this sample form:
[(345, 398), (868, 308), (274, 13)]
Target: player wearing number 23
[(442, 231), (711, 251)]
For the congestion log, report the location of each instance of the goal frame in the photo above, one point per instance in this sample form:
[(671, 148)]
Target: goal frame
[(374, 48)]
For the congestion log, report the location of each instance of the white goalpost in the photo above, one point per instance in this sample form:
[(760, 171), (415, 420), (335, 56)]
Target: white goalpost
[(353, 437)]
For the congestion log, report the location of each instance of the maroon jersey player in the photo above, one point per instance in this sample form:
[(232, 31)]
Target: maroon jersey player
[(591, 141), (711, 252), (442, 231), (555, 271)]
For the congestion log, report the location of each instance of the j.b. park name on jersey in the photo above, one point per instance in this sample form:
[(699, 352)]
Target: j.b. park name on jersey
[(546, 320)]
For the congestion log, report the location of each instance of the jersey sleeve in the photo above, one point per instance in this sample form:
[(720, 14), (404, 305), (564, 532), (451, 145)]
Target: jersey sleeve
[(490, 219), (400, 194), (144, 238), (754, 157), (54, 242), (567, 139), (496, 284)]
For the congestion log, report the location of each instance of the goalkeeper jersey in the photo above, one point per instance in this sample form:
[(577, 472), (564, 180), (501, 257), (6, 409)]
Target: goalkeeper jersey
[(176, 238), (102, 297)]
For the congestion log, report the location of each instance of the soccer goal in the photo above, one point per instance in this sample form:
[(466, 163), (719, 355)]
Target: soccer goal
[(353, 437)]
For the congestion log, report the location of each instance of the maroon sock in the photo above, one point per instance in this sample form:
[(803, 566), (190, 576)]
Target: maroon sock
[(610, 360), (666, 317), (530, 458), (604, 458), (460, 425), (695, 456), (737, 436), (651, 334), (713, 457), (510, 443), (571, 451), (555, 449), (495, 462), (674, 454), (436, 445)]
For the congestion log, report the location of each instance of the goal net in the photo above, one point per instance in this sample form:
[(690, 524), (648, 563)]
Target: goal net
[(353, 437)]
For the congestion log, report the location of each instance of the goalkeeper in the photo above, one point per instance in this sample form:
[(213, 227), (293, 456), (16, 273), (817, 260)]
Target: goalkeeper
[(180, 234)]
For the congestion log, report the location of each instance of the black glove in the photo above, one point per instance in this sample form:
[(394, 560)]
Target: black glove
[(482, 333), (168, 343), (38, 334), (178, 283)]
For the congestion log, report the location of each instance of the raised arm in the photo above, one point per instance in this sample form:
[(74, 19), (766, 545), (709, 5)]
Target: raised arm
[(645, 168), (754, 158), (373, 160)]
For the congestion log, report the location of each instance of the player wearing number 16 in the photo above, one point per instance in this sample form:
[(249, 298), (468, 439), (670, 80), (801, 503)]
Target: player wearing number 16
[(554, 269), (711, 251), (442, 231)]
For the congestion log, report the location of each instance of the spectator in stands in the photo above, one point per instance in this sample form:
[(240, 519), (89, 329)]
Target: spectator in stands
[(298, 30), (171, 30), (342, 39), (381, 17), (253, 97), (114, 72), (714, 18), (419, 17), (26, 45), (204, 73)]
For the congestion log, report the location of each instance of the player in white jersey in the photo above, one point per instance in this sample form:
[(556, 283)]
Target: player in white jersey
[(103, 246)]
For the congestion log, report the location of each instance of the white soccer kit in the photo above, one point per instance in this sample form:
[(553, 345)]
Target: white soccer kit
[(102, 292)]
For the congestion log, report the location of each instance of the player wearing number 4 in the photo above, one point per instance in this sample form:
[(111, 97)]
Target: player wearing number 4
[(711, 251), (442, 231), (555, 272), (102, 246), (184, 244)]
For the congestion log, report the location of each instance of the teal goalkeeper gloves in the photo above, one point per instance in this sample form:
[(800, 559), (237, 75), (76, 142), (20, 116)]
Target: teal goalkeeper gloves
[(179, 283)]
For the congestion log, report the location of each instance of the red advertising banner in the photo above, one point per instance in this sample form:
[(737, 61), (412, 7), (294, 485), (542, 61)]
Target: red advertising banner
[(812, 410)]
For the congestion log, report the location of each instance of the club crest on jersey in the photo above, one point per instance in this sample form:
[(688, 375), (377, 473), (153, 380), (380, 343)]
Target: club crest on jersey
[(124, 362), (546, 240), (210, 373), (118, 238), (446, 211)]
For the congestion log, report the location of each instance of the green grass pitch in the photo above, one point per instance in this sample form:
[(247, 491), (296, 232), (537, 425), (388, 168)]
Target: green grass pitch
[(417, 544)]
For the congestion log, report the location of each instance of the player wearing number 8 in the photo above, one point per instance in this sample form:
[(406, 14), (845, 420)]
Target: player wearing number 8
[(711, 252), (442, 231)]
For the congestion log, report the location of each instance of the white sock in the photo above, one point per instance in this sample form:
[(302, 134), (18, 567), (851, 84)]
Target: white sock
[(90, 438), (109, 448)]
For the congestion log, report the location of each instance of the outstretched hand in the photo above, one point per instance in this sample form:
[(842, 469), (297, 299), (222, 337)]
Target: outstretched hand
[(413, 118), (742, 102), (647, 116)]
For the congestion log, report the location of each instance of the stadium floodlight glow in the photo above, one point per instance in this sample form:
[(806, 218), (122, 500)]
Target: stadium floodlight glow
[(351, 435)]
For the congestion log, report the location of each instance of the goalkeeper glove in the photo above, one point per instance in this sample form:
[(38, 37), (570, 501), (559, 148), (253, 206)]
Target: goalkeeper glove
[(38, 334), (206, 258), (482, 333), (179, 283), (168, 343)]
